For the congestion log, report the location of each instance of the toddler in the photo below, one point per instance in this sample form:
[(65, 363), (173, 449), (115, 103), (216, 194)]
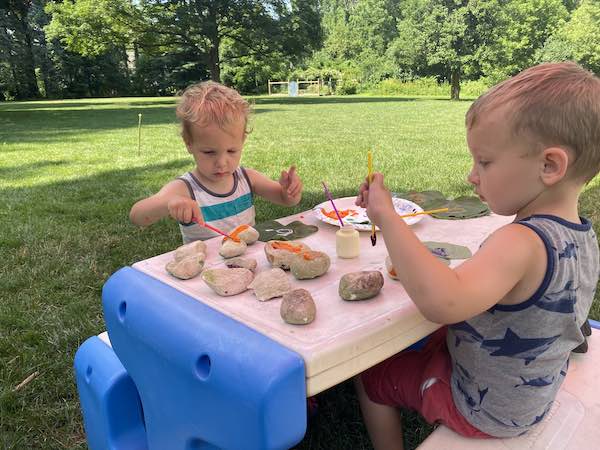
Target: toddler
[(513, 311), (218, 191)]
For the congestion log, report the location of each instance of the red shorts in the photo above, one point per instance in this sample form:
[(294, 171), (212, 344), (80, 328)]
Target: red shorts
[(420, 380)]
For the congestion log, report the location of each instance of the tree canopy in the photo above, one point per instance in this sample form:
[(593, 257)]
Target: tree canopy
[(74, 48)]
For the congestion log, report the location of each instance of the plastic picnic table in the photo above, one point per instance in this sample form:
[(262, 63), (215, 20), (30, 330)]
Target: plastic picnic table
[(228, 372)]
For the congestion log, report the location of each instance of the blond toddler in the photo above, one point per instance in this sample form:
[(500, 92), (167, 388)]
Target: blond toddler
[(218, 191)]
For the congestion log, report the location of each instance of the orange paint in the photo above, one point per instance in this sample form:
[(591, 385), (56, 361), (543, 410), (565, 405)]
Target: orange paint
[(343, 213), (234, 234), (309, 256), (238, 230), (286, 246)]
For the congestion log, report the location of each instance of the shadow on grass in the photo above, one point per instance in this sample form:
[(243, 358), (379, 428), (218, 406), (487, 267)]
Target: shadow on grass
[(34, 125), (83, 103), (73, 235), (24, 170)]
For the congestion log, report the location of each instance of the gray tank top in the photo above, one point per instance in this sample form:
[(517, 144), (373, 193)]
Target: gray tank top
[(509, 362)]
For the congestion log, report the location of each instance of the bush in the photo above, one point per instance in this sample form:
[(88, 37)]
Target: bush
[(346, 86), (427, 86)]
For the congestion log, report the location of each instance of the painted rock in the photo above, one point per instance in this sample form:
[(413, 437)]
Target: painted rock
[(309, 264), (193, 248), (360, 285), (390, 268), (246, 233), (230, 248), (226, 282), (270, 284), (281, 253), (187, 267), (298, 307), (245, 263)]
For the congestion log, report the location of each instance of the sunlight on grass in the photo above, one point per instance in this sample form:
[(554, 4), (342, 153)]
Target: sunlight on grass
[(70, 171)]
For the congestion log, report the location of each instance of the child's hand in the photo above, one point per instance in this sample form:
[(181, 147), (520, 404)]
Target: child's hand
[(291, 185), (376, 198), (183, 209)]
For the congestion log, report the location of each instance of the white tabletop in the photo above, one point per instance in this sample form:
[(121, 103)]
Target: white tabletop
[(346, 337)]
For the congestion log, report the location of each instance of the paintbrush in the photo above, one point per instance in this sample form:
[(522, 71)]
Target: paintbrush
[(370, 178), (328, 194), (216, 230), (431, 211)]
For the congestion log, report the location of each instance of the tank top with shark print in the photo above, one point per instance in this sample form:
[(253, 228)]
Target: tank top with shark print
[(509, 362)]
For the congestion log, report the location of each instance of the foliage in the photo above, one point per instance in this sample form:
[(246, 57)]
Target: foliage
[(257, 29), (582, 32), (427, 86)]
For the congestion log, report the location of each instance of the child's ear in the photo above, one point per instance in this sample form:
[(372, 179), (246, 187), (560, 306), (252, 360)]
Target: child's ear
[(555, 164), (188, 145)]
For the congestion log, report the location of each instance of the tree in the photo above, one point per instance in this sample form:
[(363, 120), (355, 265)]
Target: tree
[(582, 31), (192, 27), (17, 44), (438, 33)]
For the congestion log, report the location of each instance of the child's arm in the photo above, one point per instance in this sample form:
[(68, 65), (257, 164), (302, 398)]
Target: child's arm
[(173, 199), (512, 260), (287, 192)]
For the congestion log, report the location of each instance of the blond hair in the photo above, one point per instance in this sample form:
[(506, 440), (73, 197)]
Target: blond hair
[(556, 104), (208, 103)]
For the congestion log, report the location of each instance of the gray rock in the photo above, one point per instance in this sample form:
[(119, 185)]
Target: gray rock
[(245, 263), (298, 307), (270, 284), (226, 282), (230, 248), (390, 268), (193, 248), (281, 253), (249, 235), (360, 285), (187, 267), (309, 264)]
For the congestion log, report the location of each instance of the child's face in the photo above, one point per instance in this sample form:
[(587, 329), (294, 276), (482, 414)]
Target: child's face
[(506, 172), (217, 151)]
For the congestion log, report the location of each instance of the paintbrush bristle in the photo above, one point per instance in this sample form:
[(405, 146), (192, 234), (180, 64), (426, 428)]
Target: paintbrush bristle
[(373, 239)]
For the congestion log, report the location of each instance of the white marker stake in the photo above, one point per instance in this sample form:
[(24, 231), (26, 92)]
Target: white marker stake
[(139, 134)]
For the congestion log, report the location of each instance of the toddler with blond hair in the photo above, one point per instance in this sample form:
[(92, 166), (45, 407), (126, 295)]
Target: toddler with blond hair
[(514, 311), (218, 191)]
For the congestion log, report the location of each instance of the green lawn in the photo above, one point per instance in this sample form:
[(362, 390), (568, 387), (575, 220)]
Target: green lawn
[(69, 172)]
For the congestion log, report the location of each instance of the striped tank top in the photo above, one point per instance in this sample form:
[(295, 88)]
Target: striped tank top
[(223, 211)]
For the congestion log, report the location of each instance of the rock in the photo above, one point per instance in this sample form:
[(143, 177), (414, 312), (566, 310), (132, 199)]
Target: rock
[(281, 253), (230, 248), (245, 263), (390, 268), (309, 264), (226, 282), (193, 248), (187, 267), (360, 285), (298, 307), (270, 284), (246, 233)]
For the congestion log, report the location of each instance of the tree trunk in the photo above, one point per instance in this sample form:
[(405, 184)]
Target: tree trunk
[(31, 88), (214, 63), (455, 84), (46, 67)]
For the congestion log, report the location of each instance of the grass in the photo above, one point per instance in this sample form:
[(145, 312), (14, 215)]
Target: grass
[(70, 171)]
